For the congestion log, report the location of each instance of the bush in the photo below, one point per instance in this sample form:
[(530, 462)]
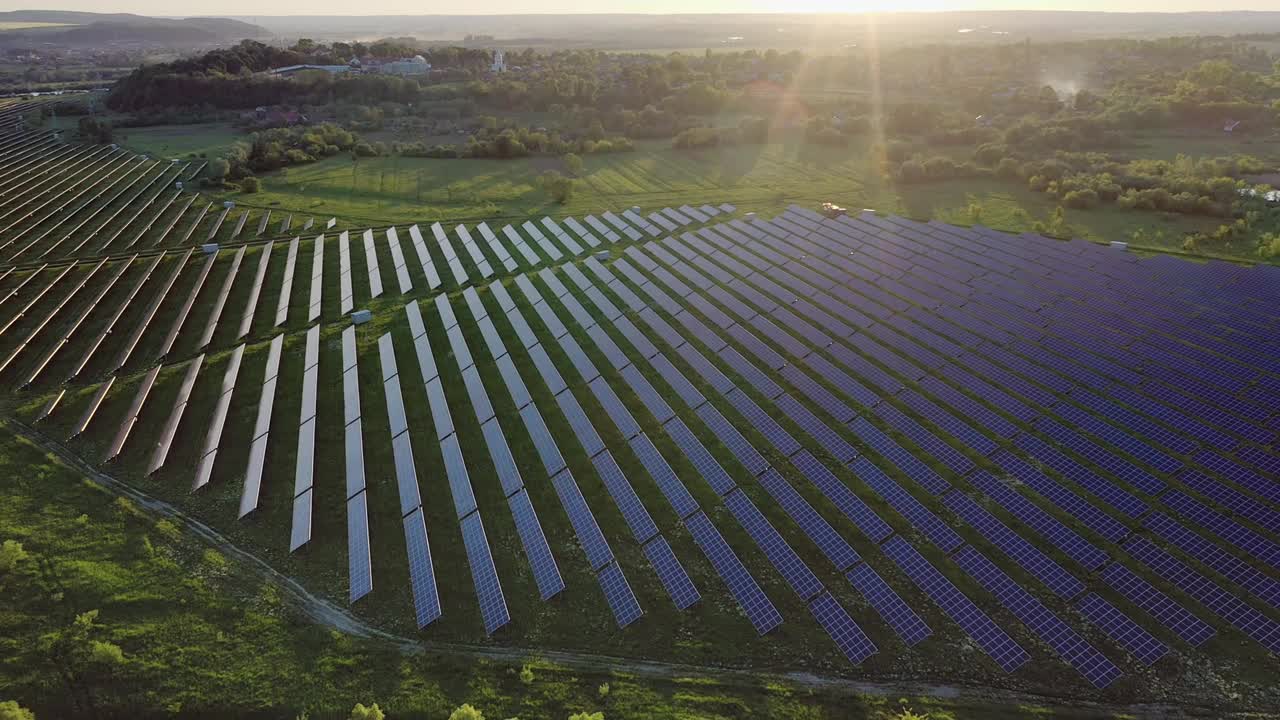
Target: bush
[(250, 185), (559, 187), (364, 149), (574, 164), (1080, 199), (466, 712), (11, 553), (10, 710), (360, 712), (526, 675)]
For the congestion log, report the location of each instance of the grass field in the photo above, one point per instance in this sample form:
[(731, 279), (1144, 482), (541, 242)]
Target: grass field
[(180, 140)]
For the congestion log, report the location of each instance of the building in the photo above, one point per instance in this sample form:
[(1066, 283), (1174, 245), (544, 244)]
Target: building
[(416, 65), (499, 62), (291, 70)]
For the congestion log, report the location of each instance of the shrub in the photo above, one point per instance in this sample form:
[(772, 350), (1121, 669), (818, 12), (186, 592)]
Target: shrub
[(526, 675), (10, 710), (466, 712), (11, 553), (1080, 199), (372, 712)]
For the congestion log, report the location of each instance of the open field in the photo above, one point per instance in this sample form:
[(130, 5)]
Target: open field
[(208, 139)]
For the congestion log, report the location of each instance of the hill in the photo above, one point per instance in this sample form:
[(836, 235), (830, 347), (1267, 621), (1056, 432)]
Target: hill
[(81, 28)]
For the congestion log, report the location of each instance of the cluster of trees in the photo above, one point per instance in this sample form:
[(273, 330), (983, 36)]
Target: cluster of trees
[(96, 130), (280, 147)]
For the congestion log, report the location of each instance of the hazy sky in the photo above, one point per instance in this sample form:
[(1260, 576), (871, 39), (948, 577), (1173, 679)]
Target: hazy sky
[(462, 7)]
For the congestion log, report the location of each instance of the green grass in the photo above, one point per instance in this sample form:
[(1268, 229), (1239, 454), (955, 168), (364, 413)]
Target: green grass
[(209, 139), (201, 635)]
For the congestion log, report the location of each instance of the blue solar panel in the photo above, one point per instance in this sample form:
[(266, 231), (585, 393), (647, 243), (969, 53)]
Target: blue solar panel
[(899, 457), (1239, 474), (866, 343), (755, 347), (764, 423), (953, 459), (464, 500), (842, 497), (1132, 420), (995, 642), (1116, 497), (493, 606), (1237, 501), (1229, 607), (624, 496), (650, 397), (422, 579), (1075, 650), (672, 574), (545, 572), (744, 588), (988, 392), (1057, 534), (1103, 457), (678, 382), (584, 523), (637, 338), (359, 568), (733, 440), (780, 554), (814, 525), (616, 411), (1213, 556), (500, 453), (891, 608), (969, 408), (1022, 552), (850, 638), (1169, 613), (698, 455), (1261, 458), (1224, 527), (827, 438), (626, 609), (1127, 633), (670, 485), (749, 372), (1070, 503), (817, 394), (579, 423), (841, 380), (920, 517), (586, 369), (632, 301), (515, 386), (542, 440), (608, 347)]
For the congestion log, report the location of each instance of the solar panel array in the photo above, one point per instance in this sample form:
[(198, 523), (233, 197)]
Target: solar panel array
[(844, 387)]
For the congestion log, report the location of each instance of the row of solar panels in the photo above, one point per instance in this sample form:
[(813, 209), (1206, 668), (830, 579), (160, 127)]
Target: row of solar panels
[(118, 198), (346, 288)]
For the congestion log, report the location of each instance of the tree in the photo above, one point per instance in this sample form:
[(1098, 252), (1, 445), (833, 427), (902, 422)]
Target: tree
[(95, 130), (574, 164), (372, 712), (218, 168), (11, 553), (587, 716), (10, 710), (250, 185), (559, 187), (466, 712)]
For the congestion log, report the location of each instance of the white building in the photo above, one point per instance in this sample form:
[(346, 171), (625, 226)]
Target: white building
[(499, 62), (416, 65)]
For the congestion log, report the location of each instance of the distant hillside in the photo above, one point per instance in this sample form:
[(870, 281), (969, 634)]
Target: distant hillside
[(81, 28)]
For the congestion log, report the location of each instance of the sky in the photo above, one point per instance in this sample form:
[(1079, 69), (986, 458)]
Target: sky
[(462, 7)]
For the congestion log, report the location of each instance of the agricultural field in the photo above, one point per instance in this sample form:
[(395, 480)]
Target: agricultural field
[(862, 448)]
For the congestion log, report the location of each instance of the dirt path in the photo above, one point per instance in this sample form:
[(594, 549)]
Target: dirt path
[(324, 612)]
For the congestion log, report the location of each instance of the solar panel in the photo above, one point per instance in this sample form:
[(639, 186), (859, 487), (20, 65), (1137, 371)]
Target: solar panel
[(703, 367), (764, 423), (607, 346), (780, 554), (545, 572), (396, 419), (849, 638), (817, 394), (754, 603), (359, 564), (617, 412), (652, 400), (899, 457), (455, 467), (542, 440), (353, 456), (1165, 610), (1103, 457), (1018, 549), (426, 599), (584, 523), (1052, 530), (734, 442), (440, 416), (579, 423), (672, 488), (1237, 501), (405, 469), (624, 496), (995, 642), (493, 606), (626, 609), (888, 604), (749, 372), (917, 514), (1127, 633), (1116, 497), (697, 454), (1070, 503), (1227, 606), (1075, 650), (1229, 530), (853, 508), (679, 587), (944, 453), (1213, 556), (1239, 474)]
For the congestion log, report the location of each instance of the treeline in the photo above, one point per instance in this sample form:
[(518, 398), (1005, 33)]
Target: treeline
[(281, 147), (517, 143)]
